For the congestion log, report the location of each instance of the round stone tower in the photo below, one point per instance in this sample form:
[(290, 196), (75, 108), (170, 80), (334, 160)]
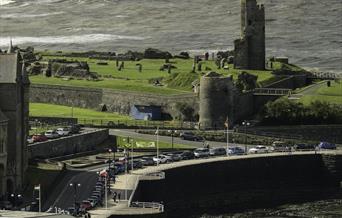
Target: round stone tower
[(216, 100)]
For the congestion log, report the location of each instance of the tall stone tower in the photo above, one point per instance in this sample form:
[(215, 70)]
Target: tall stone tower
[(249, 50), (216, 100), (14, 104)]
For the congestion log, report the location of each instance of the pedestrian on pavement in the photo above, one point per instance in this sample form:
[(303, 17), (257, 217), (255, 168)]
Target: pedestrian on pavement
[(119, 196), (114, 196)]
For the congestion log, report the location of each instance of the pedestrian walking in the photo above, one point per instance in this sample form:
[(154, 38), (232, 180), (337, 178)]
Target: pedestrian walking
[(114, 196), (119, 196)]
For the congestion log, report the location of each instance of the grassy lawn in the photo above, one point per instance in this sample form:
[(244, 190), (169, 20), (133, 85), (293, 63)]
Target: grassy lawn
[(332, 94), (131, 80), (122, 142), (51, 110)]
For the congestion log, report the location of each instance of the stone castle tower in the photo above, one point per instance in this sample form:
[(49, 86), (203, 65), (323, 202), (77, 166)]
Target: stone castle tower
[(249, 50), (14, 114)]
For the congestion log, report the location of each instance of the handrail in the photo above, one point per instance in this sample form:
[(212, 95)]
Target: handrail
[(153, 205)]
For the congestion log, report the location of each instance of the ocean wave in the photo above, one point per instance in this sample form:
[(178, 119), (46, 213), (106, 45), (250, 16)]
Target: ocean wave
[(6, 2), (21, 15), (72, 39)]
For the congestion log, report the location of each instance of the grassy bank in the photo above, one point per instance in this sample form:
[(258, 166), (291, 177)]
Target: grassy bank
[(51, 110), (131, 79), (332, 94)]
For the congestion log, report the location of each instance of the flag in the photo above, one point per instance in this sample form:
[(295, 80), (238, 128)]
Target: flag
[(226, 123), (37, 187), (157, 132)]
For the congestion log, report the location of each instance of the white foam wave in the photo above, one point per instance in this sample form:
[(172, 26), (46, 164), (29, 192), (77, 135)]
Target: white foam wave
[(72, 39), (6, 2), (20, 15)]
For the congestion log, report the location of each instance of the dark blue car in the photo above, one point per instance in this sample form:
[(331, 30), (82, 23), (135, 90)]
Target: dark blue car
[(326, 145)]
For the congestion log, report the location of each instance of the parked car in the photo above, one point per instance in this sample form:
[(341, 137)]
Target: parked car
[(217, 151), (174, 156), (86, 205), (326, 145), (201, 152), (302, 146), (137, 164), (64, 131), (119, 167), (147, 161), (190, 136), (39, 138), (258, 149), (279, 146), (51, 134), (187, 155), (75, 129), (236, 151), (162, 159)]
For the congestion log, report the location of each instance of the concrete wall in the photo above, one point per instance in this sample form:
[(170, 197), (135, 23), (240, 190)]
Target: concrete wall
[(68, 145), (53, 120), (226, 186)]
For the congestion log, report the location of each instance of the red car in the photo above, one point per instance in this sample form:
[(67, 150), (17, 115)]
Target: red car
[(39, 138), (86, 205)]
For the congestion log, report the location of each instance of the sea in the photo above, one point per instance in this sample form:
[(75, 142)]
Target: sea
[(309, 32)]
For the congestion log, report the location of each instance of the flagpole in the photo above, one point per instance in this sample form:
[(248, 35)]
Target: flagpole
[(40, 200), (227, 141), (158, 146)]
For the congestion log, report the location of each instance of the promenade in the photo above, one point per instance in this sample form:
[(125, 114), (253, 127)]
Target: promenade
[(127, 183)]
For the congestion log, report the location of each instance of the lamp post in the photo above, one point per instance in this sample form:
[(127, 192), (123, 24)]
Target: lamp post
[(245, 124), (172, 132), (157, 133), (75, 185)]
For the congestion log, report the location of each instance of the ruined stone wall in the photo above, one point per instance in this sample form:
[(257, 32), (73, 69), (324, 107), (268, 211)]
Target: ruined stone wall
[(291, 82)]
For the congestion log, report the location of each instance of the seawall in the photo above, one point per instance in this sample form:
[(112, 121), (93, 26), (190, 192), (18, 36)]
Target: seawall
[(68, 145), (239, 184)]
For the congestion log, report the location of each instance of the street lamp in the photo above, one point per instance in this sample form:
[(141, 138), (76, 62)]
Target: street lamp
[(172, 132), (245, 124), (75, 185)]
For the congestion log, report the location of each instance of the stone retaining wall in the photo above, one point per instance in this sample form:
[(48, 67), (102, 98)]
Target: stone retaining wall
[(68, 145)]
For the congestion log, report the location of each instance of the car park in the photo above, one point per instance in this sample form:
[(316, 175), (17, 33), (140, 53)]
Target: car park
[(64, 131), (217, 151), (326, 145), (51, 134), (201, 152), (137, 164), (190, 136), (119, 167), (147, 161), (75, 129), (187, 155), (258, 150), (236, 151)]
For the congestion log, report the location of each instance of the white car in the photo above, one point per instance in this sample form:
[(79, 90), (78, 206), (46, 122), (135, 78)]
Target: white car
[(260, 149), (51, 134), (63, 131), (162, 159)]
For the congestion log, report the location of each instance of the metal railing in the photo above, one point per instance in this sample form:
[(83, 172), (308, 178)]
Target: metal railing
[(272, 91), (153, 205), (160, 175), (325, 75)]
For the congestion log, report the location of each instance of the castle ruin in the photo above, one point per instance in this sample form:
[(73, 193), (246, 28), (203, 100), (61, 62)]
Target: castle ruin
[(249, 50)]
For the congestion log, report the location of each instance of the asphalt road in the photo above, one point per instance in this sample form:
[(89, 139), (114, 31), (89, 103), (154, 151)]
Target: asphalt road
[(176, 140)]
